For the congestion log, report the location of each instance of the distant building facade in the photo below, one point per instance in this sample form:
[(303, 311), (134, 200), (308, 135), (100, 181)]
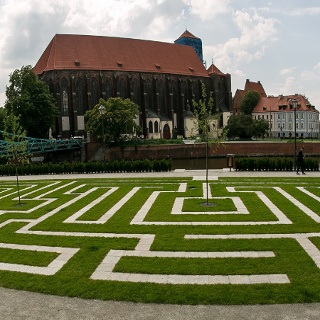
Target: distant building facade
[(162, 78), (281, 114)]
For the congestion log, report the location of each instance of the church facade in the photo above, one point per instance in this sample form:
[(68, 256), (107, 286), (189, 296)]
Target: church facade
[(161, 78)]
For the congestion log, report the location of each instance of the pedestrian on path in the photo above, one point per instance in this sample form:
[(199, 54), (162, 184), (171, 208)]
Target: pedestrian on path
[(300, 161)]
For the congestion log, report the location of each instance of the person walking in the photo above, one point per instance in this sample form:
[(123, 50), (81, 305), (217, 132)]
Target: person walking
[(300, 161)]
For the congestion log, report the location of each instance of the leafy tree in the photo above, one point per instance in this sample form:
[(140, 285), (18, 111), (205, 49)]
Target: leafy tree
[(118, 119), (2, 117), (240, 126), (203, 111), (205, 116), (30, 99), (16, 150), (15, 136), (260, 127), (244, 127), (249, 101)]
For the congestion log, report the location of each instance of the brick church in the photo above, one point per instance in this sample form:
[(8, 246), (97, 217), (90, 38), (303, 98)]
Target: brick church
[(162, 78)]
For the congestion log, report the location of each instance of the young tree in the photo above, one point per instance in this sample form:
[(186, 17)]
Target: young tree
[(206, 117), (17, 145), (249, 101), (30, 99), (117, 121)]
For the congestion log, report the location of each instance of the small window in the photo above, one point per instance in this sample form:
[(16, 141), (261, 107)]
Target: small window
[(77, 63), (119, 64), (191, 69), (150, 126), (156, 127), (157, 66)]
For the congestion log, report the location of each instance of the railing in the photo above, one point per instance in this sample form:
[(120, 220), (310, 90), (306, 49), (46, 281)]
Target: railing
[(36, 146)]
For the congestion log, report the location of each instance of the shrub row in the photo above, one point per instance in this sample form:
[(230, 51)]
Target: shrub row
[(145, 165), (273, 164)]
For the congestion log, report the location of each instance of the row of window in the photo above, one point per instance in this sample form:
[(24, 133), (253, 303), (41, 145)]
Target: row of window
[(299, 125), (281, 116)]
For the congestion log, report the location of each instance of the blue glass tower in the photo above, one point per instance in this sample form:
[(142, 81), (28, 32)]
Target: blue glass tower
[(188, 39)]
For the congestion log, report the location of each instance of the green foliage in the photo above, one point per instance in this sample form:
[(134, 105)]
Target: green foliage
[(260, 127), (30, 99), (117, 122), (14, 135), (203, 111), (245, 127), (249, 101), (144, 165), (2, 117), (240, 126)]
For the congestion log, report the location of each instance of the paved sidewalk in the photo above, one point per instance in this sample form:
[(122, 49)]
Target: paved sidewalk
[(212, 174), (21, 305), (28, 305)]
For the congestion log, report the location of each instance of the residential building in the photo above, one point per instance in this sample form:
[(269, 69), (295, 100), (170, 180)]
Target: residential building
[(282, 116), (280, 113)]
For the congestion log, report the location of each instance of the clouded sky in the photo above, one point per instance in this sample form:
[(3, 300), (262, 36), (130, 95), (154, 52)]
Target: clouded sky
[(276, 42)]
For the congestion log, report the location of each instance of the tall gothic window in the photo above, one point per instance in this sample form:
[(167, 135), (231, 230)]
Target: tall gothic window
[(156, 127), (122, 88), (148, 91), (94, 91), (162, 98), (108, 89), (150, 127), (64, 103), (79, 97), (64, 97), (135, 90)]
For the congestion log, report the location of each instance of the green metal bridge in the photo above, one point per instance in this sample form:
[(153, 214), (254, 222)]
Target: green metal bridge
[(38, 146)]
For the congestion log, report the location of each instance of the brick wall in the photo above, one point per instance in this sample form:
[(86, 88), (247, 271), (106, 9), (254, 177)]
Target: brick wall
[(94, 150)]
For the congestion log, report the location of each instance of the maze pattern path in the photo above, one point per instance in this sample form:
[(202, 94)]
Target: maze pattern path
[(100, 197)]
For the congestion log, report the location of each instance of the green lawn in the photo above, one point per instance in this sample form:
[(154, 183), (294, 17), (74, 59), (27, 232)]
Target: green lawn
[(274, 218)]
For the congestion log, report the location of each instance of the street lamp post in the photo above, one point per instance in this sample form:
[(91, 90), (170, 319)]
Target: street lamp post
[(294, 103), (102, 111)]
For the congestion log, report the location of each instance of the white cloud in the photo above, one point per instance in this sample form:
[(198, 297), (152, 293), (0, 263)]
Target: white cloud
[(311, 11), (207, 9), (288, 86), (286, 71), (240, 37), (256, 34)]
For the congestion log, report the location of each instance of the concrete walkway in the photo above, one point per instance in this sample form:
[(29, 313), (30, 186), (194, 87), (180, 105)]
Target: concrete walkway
[(28, 305), (212, 174), (21, 305)]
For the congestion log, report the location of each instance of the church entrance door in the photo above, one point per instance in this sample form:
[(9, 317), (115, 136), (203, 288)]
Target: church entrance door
[(166, 132)]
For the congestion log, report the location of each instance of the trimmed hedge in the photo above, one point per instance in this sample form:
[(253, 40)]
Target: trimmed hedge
[(145, 165), (273, 164)]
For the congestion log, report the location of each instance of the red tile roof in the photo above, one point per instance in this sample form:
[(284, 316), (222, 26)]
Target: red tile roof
[(255, 86), (282, 103), (187, 34), (214, 70), (83, 52)]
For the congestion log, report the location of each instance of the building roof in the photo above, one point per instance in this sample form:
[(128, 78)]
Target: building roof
[(187, 34), (255, 86), (283, 103), (85, 52), (214, 70)]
